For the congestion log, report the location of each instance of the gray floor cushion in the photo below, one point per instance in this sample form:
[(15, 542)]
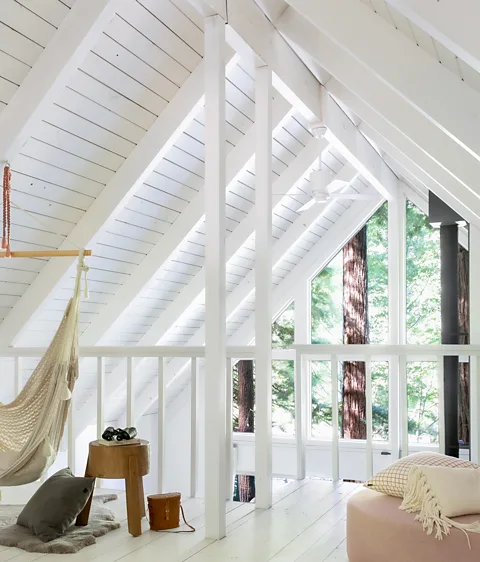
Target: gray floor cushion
[(102, 520)]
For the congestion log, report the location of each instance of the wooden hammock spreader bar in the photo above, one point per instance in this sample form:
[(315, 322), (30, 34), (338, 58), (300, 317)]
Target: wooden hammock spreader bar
[(47, 254)]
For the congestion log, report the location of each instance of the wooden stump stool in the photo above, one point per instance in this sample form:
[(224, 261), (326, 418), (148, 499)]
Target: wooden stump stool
[(128, 462)]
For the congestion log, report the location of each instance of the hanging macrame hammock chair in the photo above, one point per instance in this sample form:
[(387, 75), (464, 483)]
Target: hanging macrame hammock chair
[(31, 427)]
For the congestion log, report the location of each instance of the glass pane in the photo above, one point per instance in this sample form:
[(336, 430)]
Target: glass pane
[(283, 398), (423, 279), (321, 400), (422, 393), (380, 401)]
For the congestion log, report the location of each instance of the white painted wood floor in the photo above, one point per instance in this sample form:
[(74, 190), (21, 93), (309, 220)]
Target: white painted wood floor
[(306, 524)]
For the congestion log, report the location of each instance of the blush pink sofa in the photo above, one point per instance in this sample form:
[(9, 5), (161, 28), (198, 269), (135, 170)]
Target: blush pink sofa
[(377, 531)]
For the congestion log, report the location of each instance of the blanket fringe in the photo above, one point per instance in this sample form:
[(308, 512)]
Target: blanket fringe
[(421, 499)]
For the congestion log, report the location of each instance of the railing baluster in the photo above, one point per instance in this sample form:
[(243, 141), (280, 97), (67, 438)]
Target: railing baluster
[(161, 426), (335, 438), (193, 427), (402, 377), (18, 376), (130, 393), (368, 395), (441, 405), (300, 406), (229, 430), (100, 396)]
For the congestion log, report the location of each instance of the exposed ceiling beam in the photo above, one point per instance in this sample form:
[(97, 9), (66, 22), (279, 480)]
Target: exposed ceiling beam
[(166, 246), (366, 87), (76, 35), (390, 140), (450, 23), (396, 60), (127, 180), (291, 176), (318, 257)]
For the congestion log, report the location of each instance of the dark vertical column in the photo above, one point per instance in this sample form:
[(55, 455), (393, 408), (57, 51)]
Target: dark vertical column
[(450, 332)]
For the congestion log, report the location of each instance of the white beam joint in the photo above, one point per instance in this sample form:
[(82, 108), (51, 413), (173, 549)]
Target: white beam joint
[(263, 288)]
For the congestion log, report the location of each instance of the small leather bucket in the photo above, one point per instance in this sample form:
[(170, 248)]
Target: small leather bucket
[(164, 512)]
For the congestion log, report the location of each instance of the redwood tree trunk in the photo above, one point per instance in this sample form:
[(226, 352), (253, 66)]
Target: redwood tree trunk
[(355, 330), (246, 421), (464, 322)]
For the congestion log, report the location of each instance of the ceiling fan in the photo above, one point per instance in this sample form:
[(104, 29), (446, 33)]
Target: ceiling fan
[(325, 189)]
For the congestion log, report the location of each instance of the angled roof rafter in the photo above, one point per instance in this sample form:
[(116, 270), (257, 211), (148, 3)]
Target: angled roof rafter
[(430, 87)]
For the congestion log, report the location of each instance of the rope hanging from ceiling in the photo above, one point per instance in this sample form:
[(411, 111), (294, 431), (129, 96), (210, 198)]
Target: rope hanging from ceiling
[(7, 179)]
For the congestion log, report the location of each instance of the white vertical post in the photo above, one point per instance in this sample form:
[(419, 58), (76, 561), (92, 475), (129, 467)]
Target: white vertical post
[(396, 309), (441, 403), (18, 376), (71, 435), (300, 411), (403, 404), (130, 393), (215, 278), (161, 426), (474, 268), (335, 438), (193, 427), (303, 313), (263, 288), (229, 431), (368, 393), (100, 396)]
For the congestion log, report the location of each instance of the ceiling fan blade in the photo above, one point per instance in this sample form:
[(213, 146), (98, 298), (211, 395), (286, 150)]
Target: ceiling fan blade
[(354, 196), (307, 206)]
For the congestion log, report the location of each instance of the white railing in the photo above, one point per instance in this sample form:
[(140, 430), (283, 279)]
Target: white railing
[(396, 356)]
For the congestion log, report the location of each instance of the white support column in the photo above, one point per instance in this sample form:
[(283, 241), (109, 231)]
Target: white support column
[(130, 393), (229, 431), (215, 278), (474, 251), (396, 309), (161, 426), (263, 289), (302, 330), (193, 427), (335, 437)]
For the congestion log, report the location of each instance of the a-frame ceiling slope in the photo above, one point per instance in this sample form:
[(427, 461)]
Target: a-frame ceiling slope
[(117, 162)]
